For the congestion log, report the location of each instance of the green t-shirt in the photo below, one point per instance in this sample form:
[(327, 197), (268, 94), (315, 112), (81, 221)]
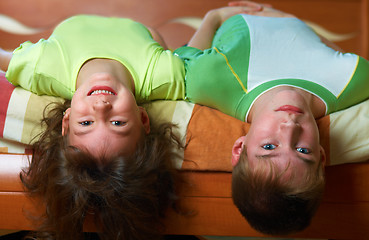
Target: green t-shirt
[(252, 54), (51, 66)]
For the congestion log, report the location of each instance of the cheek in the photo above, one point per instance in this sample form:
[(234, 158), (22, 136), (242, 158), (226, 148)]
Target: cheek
[(263, 128), (127, 102), (311, 138), (72, 139), (79, 107)]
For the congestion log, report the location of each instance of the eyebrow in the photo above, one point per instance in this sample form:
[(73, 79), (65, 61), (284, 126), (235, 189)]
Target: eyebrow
[(121, 133), (267, 156), (271, 155)]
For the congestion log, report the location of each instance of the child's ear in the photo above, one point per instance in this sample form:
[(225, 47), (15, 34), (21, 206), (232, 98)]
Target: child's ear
[(65, 122), (145, 120), (237, 149)]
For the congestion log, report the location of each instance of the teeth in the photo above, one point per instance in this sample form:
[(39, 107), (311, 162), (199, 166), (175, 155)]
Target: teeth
[(102, 91)]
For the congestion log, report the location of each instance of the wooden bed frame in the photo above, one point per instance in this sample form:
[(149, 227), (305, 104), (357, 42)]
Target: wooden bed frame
[(344, 213)]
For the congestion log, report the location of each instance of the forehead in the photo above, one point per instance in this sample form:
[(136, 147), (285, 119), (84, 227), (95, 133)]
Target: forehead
[(289, 169), (105, 143)]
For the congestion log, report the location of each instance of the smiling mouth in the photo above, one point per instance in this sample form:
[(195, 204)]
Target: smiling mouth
[(101, 90)]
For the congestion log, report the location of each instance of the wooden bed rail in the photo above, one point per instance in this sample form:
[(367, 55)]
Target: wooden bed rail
[(343, 214)]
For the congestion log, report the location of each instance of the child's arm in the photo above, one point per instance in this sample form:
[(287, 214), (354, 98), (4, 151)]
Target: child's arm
[(245, 3), (5, 57), (157, 37), (214, 18)]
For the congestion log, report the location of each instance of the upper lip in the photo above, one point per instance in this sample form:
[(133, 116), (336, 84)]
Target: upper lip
[(290, 109), (106, 90)]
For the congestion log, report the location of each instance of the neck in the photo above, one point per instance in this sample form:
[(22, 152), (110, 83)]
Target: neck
[(109, 66), (287, 95)]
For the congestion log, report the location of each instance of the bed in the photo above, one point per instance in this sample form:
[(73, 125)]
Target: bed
[(344, 212)]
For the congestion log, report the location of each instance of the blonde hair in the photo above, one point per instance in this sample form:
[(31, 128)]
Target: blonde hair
[(273, 206)]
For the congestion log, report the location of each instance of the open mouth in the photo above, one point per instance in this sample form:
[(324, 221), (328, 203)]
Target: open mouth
[(101, 90)]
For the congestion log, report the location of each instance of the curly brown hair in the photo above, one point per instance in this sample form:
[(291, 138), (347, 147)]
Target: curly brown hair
[(127, 196), (274, 206)]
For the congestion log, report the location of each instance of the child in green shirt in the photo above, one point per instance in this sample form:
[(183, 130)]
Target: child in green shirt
[(271, 70)]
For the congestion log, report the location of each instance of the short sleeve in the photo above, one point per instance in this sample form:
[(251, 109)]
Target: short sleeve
[(187, 53)]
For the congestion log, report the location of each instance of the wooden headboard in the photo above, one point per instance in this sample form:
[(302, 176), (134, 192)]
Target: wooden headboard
[(344, 21)]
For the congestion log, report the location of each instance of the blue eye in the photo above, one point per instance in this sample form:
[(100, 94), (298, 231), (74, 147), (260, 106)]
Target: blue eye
[(118, 123), (303, 150), (86, 123), (269, 146)]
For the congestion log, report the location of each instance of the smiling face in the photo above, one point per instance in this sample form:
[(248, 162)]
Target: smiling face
[(104, 118), (285, 133)]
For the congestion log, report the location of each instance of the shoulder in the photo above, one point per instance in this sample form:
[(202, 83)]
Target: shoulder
[(83, 22)]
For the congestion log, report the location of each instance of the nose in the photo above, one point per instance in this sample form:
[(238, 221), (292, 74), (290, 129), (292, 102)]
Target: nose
[(101, 105), (291, 129)]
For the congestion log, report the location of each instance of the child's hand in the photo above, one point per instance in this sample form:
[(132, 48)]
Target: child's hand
[(271, 12), (220, 15), (266, 9), (249, 3)]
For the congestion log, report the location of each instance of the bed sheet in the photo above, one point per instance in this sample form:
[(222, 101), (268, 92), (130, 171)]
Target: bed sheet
[(207, 133)]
